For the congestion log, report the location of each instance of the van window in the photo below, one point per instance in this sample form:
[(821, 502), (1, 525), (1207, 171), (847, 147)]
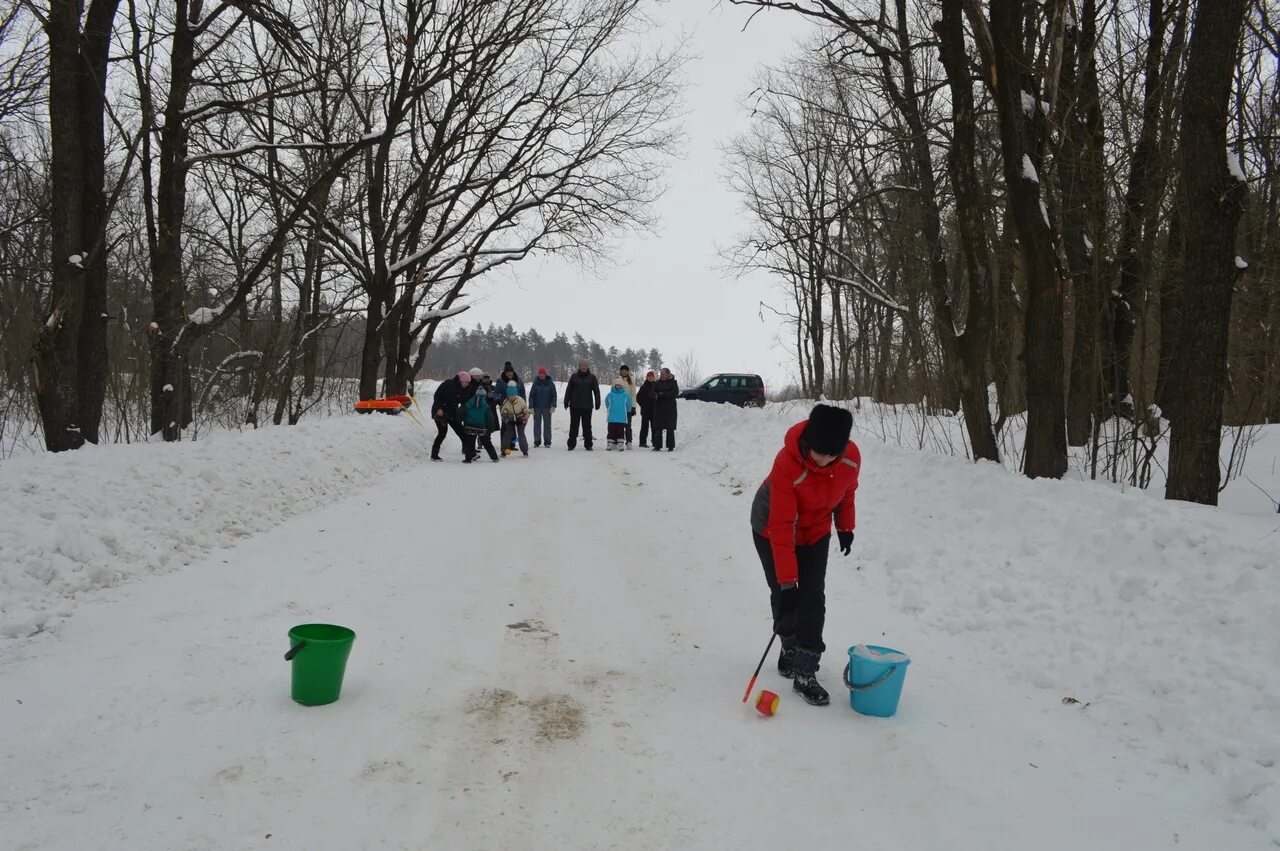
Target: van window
[(711, 382)]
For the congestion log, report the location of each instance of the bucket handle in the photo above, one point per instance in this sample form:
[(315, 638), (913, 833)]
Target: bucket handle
[(293, 651), (877, 681)]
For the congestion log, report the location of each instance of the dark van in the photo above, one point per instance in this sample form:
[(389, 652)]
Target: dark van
[(736, 388)]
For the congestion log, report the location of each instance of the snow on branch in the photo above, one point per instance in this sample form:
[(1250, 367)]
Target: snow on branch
[(1029, 170), (204, 315), (444, 312), (1233, 166)]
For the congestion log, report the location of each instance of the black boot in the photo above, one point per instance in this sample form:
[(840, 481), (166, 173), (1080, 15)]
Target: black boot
[(805, 682), (787, 662)]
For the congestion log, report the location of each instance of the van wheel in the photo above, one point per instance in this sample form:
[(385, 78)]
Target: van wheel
[(755, 403)]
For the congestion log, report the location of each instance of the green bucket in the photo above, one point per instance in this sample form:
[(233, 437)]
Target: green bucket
[(319, 654)]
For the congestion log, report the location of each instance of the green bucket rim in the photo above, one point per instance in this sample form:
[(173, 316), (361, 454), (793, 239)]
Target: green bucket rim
[(336, 634)]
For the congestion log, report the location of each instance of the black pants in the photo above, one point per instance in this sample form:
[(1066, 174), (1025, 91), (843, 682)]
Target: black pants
[(443, 424), (579, 416), (812, 599), (657, 437), (630, 416), (644, 428), (469, 442)]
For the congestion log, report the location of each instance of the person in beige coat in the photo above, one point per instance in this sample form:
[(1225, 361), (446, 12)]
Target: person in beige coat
[(627, 384), (515, 413)]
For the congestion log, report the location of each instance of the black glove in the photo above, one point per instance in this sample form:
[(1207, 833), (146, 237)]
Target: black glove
[(846, 542), (566, 406), (786, 613)]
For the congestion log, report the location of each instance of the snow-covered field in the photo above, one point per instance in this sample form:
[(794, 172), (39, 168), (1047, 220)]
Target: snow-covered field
[(552, 652)]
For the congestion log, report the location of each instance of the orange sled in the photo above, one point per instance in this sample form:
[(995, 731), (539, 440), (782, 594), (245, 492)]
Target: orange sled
[(387, 406)]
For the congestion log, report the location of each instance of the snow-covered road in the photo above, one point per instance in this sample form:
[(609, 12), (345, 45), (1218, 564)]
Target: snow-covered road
[(551, 653)]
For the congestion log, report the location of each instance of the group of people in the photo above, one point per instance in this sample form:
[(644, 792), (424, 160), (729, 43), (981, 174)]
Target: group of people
[(475, 406)]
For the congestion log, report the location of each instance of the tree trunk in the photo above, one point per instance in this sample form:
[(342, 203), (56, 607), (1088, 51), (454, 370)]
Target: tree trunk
[(1046, 444), (1211, 200), (170, 372), (1084, 219), (1146, 183), (371, 354), (70, 356), (969, 368)]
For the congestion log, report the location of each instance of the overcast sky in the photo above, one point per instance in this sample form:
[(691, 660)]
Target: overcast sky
[(667, 290)]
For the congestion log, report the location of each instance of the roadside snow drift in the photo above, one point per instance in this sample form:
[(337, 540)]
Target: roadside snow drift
[(74, 522)]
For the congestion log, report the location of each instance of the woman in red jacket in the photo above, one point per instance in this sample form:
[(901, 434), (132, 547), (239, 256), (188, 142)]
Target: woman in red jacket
[(813, 480)]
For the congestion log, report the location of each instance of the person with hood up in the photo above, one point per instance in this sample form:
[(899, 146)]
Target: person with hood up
[(665, 393), (479, 420), (444, 409), (542, 399), (515, 413), (814, 478), (581, 396), (645, 401), (618, 403), (624, 372), (509, 376)]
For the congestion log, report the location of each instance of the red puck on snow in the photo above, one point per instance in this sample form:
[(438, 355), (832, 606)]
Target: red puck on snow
[(767, 702)]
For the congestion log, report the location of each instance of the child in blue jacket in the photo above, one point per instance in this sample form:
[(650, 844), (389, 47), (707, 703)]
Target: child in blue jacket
[(619, 404)]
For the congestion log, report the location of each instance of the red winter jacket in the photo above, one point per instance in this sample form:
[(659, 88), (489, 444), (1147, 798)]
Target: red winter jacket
[(795, 505)]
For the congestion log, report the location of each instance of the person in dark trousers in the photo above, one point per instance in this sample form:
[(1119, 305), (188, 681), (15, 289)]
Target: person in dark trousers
[(814, 478), (665, 393), (581, 397), (479, 420), (509, 376), (444, 410), (515, 413), (542, 399), (624, 372), (645, 402)]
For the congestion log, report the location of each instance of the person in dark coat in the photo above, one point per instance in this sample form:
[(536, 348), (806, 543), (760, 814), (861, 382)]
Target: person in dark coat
[(542, 399), (444, 409), (813, 481), (581, 397), (645, 402), (665, 393), (508, 376), (491, 392)]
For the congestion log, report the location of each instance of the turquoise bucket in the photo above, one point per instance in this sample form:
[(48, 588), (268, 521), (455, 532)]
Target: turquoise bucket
[(874, 676)]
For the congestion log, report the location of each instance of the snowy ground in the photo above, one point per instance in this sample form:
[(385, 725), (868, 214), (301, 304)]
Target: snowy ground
[(552, 651)]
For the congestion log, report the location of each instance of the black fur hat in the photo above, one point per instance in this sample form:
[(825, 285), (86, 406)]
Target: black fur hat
[(828, 429)]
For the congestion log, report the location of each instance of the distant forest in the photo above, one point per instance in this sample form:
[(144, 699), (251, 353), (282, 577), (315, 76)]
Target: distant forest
[(489, 348)]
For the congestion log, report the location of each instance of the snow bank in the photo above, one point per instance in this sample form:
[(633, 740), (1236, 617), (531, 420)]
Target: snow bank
[(74, 522)]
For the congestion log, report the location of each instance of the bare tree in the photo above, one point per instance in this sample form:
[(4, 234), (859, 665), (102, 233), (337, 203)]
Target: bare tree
[(686, 369), (511, 130), (70, 349), (1210, 199)]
